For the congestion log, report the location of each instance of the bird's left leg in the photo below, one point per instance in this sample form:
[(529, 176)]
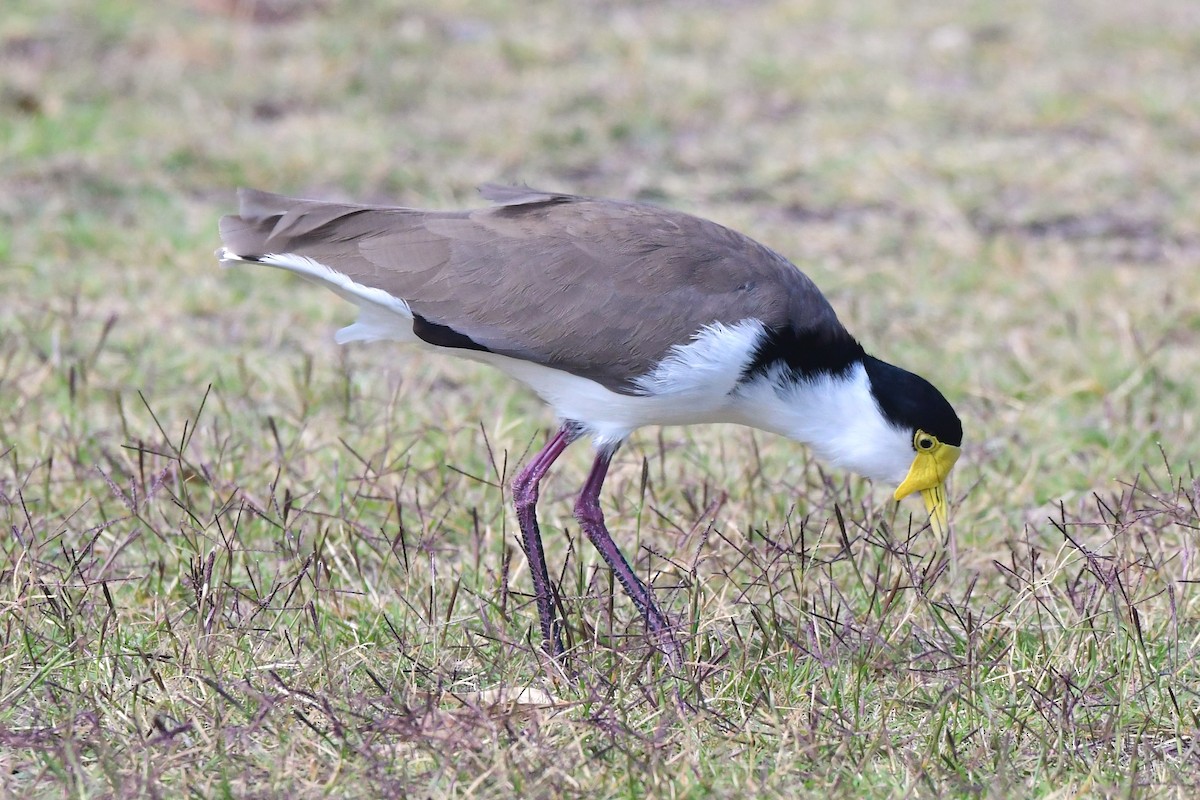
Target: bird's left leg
[(591, 519)]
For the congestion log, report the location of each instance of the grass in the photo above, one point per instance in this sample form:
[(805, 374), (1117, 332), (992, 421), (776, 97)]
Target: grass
[(239, 561)]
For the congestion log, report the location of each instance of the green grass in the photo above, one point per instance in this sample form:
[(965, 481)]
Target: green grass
[(238, 561)]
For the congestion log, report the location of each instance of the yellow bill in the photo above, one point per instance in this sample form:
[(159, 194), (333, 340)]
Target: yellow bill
[(930, 467)]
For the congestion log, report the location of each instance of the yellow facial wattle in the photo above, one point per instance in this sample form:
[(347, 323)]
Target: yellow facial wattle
[(927, 475)]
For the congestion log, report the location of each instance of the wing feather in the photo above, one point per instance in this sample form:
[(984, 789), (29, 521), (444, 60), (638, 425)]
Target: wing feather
[(598, 288)]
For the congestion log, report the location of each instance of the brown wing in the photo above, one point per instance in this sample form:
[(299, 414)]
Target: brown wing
[(598, 288)]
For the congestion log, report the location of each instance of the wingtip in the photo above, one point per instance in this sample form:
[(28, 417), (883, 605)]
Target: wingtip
[(227, 258), (255, 203)]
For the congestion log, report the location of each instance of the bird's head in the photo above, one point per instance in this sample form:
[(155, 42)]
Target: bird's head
[(931, 435), (856, 411)]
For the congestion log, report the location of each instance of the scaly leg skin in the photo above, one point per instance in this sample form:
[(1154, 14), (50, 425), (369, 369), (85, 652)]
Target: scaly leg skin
[(525, 496), (591, 519)]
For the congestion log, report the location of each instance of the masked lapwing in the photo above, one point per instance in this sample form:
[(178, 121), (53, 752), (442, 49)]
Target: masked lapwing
[(618, 315)]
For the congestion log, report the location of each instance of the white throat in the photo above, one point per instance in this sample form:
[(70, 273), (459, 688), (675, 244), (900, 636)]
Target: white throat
[(836, 415)]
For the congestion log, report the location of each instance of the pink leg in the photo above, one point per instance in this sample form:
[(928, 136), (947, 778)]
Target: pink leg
[(591, 519), (525, 496)]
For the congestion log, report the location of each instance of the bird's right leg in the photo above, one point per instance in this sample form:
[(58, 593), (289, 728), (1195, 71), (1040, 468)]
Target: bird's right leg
[(591, 519), (525, 496)]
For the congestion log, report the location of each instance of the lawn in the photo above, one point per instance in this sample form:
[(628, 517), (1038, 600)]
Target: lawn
[(240, 561)]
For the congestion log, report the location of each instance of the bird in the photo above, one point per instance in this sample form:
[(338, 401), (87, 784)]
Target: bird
[(618, 315)]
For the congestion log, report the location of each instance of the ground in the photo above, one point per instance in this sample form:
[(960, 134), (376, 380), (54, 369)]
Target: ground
[(240, 561)]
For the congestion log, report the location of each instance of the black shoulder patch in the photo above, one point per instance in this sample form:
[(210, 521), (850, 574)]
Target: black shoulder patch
[(443, 335), (806, 353)]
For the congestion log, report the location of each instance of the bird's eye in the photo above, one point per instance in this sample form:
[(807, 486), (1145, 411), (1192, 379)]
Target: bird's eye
[(923, 441)]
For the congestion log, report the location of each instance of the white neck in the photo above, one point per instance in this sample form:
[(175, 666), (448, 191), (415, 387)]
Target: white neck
[(835, 415)]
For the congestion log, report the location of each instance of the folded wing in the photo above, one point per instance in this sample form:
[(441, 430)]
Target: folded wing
[(597, 288)]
